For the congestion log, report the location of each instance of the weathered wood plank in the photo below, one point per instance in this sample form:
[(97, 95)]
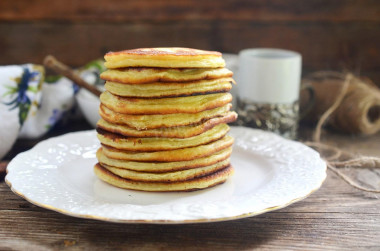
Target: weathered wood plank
[(335, 217), (75, 44), (327, 219), (151, 10), (341, 34), (322, 46)]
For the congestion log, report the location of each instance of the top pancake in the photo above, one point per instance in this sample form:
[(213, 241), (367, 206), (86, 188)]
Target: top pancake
[(165, 57)]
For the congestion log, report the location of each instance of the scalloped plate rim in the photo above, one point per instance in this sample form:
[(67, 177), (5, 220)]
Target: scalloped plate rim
[(168, 221)]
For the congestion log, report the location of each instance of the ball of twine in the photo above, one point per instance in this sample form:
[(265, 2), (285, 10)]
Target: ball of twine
[(358, 111), (351, 105)]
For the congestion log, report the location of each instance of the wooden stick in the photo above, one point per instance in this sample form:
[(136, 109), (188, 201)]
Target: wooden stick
[(60, 68)]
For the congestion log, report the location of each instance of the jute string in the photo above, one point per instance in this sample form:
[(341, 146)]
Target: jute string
[(336, 158)]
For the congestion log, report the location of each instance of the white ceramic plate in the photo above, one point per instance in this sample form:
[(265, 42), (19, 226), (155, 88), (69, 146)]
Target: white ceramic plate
[(270, 173)]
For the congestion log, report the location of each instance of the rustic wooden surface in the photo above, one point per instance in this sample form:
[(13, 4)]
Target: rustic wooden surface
[(335, 35), (335, 217)]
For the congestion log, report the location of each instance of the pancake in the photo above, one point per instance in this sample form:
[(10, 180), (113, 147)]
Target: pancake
[(159, 144), (189, 153), (159, 167), (174, 57), (168, 176), (151, 75), (142, 122), (172, 132), (164, 115), (188, 185), (159, 90), (190, 104)]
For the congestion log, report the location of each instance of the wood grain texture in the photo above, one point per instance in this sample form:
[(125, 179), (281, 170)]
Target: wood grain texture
[(351, 47), (336, 35), (335, 217), (167, 10), (339, 34)]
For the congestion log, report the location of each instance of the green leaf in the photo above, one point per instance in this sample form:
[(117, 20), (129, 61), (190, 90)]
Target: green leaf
[(52, 79), (33, 89), (98, 64), (11, 90), (23, 112)]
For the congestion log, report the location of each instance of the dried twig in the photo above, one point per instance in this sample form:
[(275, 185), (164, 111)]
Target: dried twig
[(60, 68)]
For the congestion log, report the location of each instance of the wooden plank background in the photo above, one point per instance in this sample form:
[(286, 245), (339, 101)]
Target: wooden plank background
[(335, 35)]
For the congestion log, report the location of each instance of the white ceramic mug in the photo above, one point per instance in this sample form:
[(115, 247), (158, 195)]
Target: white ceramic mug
[(269, 75), (268, 89)]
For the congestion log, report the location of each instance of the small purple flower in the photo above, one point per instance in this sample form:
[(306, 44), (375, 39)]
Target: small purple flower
[(57, 114)]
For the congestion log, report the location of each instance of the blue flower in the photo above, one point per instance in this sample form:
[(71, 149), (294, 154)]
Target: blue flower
[(22, 101)]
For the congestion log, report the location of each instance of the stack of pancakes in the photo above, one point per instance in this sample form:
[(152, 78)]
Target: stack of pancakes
[(163, 120)]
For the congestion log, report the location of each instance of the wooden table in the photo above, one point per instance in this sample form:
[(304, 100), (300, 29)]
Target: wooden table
[(335, 217)]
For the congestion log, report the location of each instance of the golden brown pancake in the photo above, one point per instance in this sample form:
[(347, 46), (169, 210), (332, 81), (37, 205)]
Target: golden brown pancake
[(188, 185), (151, 75), (164, 116), (190, 104), (143, 122), (164, 57), (189, 153), (172, 132), (167, 176), (159, 90), (159, 167), (160, 144)]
